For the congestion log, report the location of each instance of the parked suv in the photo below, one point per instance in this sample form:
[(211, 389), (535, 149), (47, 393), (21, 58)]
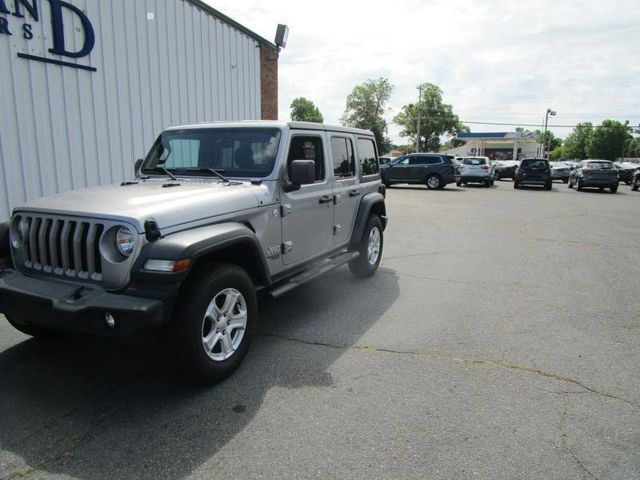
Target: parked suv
[(533, 171), (216, 214), (433, 170), (476, 170), (635, 180), (600, 174)]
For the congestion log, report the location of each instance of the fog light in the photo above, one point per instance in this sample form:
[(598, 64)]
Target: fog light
[(110, 320)]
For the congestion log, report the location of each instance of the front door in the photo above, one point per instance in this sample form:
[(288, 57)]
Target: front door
[(307, 214), (346, 188), (399, 171)]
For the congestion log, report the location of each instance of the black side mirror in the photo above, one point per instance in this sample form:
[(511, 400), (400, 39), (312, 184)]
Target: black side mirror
[(302, 172), (139, 163)]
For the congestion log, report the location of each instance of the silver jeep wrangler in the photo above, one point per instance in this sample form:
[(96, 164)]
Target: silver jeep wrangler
[(218, 213)]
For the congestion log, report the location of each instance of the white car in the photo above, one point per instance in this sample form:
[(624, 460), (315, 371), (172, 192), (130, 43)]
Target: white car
[(475, 170)]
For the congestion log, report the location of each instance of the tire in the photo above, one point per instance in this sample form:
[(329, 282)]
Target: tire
[(387, 184), (570, 185), (459, 184), (548, 186), (579, 185), (227, 292), (614, 189), (433, 182), (516, 185), (634, 187), (32, 330), (368, 262)]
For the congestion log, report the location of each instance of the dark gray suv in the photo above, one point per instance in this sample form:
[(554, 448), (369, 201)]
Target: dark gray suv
[(432, 169)]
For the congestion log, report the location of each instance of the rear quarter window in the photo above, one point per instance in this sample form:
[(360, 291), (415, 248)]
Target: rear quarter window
[(368, 157)]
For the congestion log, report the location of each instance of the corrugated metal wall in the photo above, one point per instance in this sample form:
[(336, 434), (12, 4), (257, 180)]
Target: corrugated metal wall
[(159, 63)]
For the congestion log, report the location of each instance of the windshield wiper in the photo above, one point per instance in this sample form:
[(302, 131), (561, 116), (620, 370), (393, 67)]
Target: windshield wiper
[(166, 172), (210, 170)]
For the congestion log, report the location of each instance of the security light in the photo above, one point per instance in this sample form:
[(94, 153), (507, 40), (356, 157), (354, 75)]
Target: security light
[(282, 34)]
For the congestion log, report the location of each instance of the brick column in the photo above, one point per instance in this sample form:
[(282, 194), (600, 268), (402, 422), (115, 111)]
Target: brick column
[(269, 82)]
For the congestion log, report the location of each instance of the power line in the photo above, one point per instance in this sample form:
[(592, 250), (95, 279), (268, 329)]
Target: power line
[(531, 125)]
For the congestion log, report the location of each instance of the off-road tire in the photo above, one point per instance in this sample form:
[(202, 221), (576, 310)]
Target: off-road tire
[(361, 267), (184, 336)]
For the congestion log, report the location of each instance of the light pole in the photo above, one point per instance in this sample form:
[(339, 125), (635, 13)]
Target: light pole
[(547, 144), (418, 113)]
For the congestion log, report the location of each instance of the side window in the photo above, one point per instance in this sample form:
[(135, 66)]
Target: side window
[(344, 161), (432, 160), (417, 161), (367, 157), (308, 148), (181, 153), (404, 161)]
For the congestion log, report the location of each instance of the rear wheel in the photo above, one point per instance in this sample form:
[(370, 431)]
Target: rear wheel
[(548, 186), (434, 182), (634, 187), (570, 185), (516, 185), (614, 189), (31, 330), (459, 184), (370, 249), (579, 185), (214, 322)]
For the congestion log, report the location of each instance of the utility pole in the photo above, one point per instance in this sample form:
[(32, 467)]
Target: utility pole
[(547, 144), (418, 113)]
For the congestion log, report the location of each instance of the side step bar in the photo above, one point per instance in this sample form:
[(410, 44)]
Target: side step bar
[(312, 273)]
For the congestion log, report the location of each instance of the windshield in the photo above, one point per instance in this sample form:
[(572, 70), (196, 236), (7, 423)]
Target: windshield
[(234, 152), (600, 165), (474, 161)]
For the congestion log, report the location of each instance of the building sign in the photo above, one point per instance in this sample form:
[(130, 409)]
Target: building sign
[(18, 16)]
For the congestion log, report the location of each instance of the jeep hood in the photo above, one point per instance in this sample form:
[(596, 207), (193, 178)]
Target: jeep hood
[(167, 205)]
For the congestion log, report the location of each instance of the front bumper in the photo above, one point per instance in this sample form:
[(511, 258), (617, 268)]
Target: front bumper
[(74, 308)]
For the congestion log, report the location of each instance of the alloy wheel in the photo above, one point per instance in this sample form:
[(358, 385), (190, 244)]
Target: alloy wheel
[(224, 324)]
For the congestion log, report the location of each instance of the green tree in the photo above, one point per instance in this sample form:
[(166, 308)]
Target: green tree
[(549, 140), (304, 110), (575, 145), (366, 106), (436, 119), (608, 140)]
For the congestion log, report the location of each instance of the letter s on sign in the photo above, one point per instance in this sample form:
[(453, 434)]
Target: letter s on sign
[(57, 25), (26, 31)]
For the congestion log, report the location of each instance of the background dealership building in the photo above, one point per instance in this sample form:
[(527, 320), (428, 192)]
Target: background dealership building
[(499, 145), (87, 85)]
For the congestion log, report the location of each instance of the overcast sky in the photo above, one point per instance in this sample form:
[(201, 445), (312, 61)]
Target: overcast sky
[(497, 61)]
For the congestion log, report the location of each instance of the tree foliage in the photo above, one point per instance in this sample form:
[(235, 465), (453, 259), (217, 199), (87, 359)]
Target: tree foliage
[(304, 110), (609, 140), (436, 118), (575, 145), (549, 140), (366, 106)]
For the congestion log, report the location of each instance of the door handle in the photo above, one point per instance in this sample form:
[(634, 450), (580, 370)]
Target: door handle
[(325, 199), (355, 193)]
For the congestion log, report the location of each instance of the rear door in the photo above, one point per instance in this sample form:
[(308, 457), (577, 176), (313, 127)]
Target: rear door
[(346, 187)]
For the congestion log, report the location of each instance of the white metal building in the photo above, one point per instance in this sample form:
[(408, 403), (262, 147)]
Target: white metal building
[(87, 85), (499, 145)]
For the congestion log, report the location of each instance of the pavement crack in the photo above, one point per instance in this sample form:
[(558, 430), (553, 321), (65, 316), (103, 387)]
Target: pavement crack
[(564, 440), (457, 360)]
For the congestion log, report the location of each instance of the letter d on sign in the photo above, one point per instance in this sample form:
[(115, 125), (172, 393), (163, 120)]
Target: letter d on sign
[(57, 25)]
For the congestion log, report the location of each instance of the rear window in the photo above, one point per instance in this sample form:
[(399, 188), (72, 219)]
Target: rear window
[(600, 165), (534, 165), (474, 161)]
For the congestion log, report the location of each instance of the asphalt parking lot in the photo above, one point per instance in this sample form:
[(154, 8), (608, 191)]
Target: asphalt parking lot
[(500, 340)]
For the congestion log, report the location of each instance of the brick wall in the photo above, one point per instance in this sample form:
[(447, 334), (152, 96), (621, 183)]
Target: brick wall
[(269, 82)]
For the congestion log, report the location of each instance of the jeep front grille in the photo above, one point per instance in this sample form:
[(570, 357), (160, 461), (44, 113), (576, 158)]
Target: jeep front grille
[(64, 247)]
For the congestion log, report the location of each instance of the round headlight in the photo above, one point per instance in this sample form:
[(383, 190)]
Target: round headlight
[(125, 241)]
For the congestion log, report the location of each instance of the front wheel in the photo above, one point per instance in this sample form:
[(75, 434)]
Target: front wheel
[(614, 189), (213, 323), (634, 187), (370, 249)]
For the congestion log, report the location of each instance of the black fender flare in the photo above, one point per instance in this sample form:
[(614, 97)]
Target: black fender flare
[(201, 242), (370, 202)]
